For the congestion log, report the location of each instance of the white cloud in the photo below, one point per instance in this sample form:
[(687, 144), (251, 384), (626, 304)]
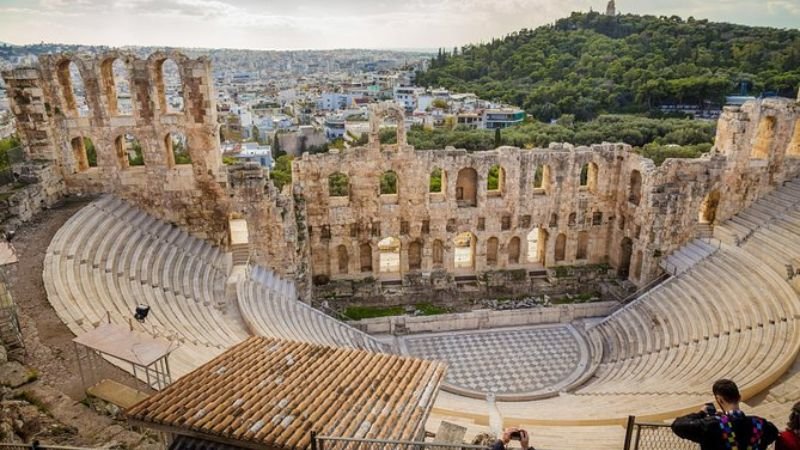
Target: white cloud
[(332, 23)]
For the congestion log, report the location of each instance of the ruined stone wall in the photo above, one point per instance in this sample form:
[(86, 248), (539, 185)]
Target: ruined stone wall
[(603, 205), (188, 195), (602, 219)]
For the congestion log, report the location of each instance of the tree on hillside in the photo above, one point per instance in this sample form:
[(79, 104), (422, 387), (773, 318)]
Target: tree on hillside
[(589, 64)]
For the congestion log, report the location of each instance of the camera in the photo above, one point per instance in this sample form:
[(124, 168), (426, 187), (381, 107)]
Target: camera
[(710, 409), (516, 435)]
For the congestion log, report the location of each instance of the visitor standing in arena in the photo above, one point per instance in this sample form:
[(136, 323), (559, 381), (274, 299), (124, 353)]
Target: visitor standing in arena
[(727, 428), (790, 439)]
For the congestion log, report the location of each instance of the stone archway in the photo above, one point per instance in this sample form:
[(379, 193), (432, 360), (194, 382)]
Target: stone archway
[(467, 187), (464, 251), (378, 113)]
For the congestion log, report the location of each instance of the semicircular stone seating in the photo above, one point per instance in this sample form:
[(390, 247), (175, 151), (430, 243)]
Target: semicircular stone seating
[(111, 256), (269, 307), (729, 312)]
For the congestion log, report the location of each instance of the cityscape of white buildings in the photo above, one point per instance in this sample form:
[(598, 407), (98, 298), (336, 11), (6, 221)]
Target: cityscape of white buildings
[(296, 101)]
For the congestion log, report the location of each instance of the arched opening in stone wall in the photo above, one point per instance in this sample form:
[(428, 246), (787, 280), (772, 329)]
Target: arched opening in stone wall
[(467, 187), (464, 251), (389, 255), (338, 185), (538, 178), (169, 87), (625, 251), (365, 256), (491, 251), (546, 178), (637, 265), (391, 114), (553, 220), (79, 154), (544, 237), (72, 89), (708, 209), (415, 255), (117, 87), (765, 134), (342, 259), (176, 148), (583, 245), (794, 144), (572, 219), (437, 181), (438, 254), (635, 191), (513, 250), (588, 178), (389, 183), (496, 180), (561, 247), (129, 151), (533, 245)]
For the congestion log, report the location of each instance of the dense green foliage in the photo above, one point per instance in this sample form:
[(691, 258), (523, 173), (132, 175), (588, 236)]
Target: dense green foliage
[(389, 183), (8, 145), (180, 153), (634, 130), (135, 156), (493, 178), (338, 185), (281, 174), (435, 183), (589, 64), (91, 152)]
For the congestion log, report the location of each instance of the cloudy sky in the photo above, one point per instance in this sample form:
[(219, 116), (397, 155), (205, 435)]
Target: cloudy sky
[(324, 24)]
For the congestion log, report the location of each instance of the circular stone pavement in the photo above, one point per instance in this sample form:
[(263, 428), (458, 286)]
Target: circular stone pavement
[(514, 364)]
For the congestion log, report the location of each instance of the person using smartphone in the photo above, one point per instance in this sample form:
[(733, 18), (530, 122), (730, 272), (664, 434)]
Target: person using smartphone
[(513, 433), (727, 427)]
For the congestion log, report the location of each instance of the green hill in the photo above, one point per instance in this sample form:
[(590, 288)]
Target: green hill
[(590, 64)]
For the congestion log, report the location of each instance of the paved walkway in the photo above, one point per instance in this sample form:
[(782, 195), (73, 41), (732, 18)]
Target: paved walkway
[(512, 361)]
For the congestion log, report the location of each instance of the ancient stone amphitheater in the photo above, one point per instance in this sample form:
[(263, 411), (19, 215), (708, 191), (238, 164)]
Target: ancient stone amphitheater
[(714, 243)]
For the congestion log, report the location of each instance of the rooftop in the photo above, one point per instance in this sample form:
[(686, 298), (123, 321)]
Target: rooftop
[(273, 392)]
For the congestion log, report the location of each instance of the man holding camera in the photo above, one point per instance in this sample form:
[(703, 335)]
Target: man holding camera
[(727, 428), (512, 433)]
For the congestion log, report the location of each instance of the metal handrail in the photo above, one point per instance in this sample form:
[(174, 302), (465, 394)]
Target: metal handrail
[(47, 447), (395, 442)]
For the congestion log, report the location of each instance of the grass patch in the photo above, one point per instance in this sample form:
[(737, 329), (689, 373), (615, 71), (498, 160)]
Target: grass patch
[(369, 312), (428, 309)]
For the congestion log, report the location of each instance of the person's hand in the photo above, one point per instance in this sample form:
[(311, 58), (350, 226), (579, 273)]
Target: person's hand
[(523, 439), (507, 434)]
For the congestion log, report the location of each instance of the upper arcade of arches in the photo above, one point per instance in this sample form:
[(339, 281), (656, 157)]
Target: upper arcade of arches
[(382, 111)]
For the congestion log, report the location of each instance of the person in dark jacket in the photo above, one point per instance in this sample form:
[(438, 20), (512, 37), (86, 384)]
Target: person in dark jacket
[(727, 428)]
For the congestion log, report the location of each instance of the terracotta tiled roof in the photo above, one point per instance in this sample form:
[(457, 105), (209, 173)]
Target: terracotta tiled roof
[(273, 392)]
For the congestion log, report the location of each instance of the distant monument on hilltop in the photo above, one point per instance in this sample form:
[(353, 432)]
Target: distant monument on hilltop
[(611, 8)]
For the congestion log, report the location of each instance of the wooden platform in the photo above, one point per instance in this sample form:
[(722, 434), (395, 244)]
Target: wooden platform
[(117, 393)]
